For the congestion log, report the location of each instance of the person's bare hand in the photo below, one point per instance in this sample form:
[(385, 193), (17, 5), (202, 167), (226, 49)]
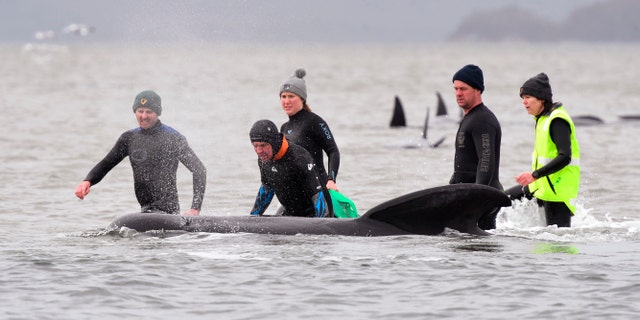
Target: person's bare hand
[(83, 189)]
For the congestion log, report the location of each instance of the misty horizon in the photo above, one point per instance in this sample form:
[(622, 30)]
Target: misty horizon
[(350, 21)]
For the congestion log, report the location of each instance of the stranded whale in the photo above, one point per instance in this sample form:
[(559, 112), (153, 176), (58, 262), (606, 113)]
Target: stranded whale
[(425, 212)]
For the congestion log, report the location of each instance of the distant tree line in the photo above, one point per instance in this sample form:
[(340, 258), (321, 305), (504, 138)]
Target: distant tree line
[(611, 21)]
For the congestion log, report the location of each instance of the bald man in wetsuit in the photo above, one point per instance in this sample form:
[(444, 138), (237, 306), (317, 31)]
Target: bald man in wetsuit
[(154, 150), (477, 157), (287, 171)]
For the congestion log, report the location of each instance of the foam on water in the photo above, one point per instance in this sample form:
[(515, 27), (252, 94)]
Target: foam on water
[(526, 219)]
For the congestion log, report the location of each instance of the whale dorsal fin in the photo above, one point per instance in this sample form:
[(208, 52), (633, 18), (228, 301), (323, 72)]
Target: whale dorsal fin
[(398, 119), (442, 108)]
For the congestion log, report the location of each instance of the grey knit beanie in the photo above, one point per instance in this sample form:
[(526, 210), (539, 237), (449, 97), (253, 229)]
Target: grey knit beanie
[(296, 84), (148, 99)]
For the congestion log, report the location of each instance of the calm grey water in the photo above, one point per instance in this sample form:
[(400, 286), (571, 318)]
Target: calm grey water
[(64, 107)]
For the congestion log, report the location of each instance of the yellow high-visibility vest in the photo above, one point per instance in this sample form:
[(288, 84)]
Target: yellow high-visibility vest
[(560, 186)]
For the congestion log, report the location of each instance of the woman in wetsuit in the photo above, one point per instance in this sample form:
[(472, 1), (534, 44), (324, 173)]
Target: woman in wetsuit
[(555, 175), (307, 129)]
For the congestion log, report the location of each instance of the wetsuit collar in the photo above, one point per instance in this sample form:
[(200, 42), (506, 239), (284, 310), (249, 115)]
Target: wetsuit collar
[(283, 149), (155, 128), (475, 107), (298, 114)]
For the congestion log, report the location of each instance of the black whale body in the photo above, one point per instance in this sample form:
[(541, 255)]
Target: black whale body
[(425, 212)]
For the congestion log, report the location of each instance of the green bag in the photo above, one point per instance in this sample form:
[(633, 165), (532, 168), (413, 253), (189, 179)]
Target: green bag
[(343, 207)]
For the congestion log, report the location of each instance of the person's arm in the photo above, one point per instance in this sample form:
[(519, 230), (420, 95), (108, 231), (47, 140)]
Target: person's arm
[(263, 199), (321, 205), (199, 173), (560, 132), (100, 170), (484, 139), (312, 183), (328, 144)]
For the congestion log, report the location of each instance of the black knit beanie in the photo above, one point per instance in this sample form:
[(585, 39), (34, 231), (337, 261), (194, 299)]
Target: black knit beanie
[(266, 131), (471, 75), (148, 99), (538, 87)]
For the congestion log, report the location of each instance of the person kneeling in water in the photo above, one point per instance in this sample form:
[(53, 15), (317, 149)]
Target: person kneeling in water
[(288, 171)]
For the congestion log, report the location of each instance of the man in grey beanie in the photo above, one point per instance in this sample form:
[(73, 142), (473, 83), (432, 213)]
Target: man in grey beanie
[(154, 150), (477, 157), (148, 99)]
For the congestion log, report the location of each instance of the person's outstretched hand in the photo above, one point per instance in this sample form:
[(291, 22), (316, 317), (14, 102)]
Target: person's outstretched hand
[(83, 189)]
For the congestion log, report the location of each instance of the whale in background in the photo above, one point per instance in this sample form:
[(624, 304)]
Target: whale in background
[(398, 120)]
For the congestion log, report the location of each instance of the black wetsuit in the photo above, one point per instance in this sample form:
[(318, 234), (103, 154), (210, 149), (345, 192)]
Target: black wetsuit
[(295, 181), (310, 131), (154, 154), (477, 157)]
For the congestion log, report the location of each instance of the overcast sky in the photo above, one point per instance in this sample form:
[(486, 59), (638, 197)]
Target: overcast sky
[(258, 20)]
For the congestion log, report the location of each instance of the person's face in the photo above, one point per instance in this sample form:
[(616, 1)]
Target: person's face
[(533, 105), (291, 103), (146, 117), (467, 97), (263, 150)]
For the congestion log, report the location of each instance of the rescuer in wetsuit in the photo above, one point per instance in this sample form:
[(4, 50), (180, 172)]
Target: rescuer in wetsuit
[(154, 150), (307, 129), (288, 171), (555, 176), (477, 157)]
